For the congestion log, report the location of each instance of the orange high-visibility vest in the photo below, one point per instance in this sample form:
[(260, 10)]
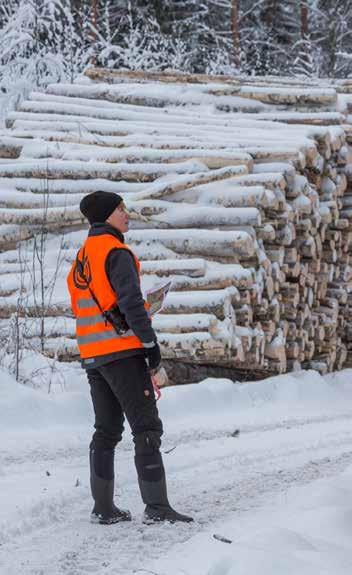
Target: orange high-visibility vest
[(96, 336)]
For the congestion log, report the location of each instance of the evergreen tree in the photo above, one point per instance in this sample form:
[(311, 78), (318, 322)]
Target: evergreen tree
[(39, 43), (268, 32), (333, 35), (304, 63), (49, 40)]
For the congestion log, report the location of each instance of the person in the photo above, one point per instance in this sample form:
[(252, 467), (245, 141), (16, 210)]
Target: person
[(120, 351)]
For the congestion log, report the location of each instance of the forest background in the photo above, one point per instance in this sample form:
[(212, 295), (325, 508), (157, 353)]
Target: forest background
[(43, 41)]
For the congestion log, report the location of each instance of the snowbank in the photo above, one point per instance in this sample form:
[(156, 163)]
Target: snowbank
[(220, 402), (21, 406), (28, 414), (308, 533), (303, 392), (31, 418)]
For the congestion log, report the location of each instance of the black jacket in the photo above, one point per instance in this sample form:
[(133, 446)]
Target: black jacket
[(123, 276)]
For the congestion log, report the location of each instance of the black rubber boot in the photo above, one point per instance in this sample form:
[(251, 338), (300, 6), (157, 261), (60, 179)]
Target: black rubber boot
[(104, 511), (158, 508)]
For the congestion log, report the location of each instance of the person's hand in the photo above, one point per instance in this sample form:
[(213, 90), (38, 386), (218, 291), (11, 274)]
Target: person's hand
[(153, 356)]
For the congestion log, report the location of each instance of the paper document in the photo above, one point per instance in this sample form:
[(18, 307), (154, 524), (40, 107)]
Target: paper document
[(156, 297)]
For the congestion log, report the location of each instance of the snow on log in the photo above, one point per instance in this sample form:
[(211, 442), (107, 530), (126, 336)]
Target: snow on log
[(191, 267), (220, 302), (52, 168), (223, 244), (162, 213)]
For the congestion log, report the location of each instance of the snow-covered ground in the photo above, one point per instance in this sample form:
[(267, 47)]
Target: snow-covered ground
[(280, 490)]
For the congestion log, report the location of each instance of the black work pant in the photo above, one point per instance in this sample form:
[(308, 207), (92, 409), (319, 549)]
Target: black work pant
[(124, 388)]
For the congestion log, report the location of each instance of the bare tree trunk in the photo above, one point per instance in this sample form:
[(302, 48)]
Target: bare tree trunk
[(95, 15), (235, 31), (304, 32), (17, 343), (304, 20)]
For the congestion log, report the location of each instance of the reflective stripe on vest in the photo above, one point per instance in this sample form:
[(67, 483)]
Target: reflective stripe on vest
[(101, 336), (90, 320), (86, 303)]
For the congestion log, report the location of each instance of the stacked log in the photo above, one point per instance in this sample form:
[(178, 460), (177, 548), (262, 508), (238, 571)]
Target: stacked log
[(247, 209)]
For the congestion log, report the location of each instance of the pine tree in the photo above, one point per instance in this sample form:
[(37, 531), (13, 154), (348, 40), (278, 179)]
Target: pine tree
[(268, 32), (333, 35), (39, 42), (304, 63), (50, 40)]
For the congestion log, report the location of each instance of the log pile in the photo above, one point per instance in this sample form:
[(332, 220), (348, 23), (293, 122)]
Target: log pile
[(240, 191)]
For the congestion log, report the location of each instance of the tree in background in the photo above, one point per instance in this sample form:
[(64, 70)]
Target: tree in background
[(135, 41), (39, 43), (269, 29), (332, 35), (235, 32), (44, 41), (192, 35), (304, 63)]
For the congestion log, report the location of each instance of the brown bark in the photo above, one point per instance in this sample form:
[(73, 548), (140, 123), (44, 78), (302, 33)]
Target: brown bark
[(95, 13), (235, 32), (304, 29), (304, 20)]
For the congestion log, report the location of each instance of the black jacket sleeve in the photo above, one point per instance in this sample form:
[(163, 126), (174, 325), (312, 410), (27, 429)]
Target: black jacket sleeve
[(123, 276)]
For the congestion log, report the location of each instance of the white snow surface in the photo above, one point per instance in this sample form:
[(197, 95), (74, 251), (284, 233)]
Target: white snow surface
[(280, 490)]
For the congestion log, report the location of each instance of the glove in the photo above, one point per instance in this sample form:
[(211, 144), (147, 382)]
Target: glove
[(153, 357)]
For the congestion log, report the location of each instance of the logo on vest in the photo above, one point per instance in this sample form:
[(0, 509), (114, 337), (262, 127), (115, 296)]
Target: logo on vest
[(82, 275)]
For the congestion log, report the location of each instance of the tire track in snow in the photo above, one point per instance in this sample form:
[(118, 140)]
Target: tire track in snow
[(122, 549), (240, 478)]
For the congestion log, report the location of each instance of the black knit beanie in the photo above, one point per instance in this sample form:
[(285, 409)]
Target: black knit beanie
[(98, 206)]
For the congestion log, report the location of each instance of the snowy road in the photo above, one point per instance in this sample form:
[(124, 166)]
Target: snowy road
[(45, 500)]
